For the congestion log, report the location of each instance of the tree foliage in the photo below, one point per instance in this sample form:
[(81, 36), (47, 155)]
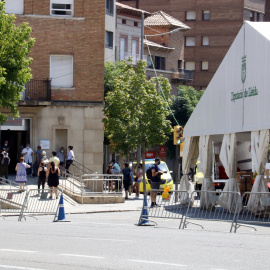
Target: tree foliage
[(15, 45), (136, 109)]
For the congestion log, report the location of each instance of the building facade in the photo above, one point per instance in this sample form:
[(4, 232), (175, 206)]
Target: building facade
[(63, 103), (214, 25)]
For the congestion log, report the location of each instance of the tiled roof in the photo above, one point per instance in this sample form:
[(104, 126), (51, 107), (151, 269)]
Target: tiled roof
[(156, 45), (131, 10), (161, 18)]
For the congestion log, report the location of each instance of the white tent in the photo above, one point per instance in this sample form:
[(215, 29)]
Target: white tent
[(237, 100)]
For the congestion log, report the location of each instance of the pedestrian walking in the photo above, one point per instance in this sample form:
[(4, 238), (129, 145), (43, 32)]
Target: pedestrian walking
[(127, 178), (27, 153), (21, 176), (53, 179), (42, 172), (5, 161), (138, 180), (155, 181), (70, 157)]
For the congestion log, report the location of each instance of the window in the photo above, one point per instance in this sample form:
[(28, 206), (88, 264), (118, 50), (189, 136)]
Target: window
[(191, 16), (206, 15), (258, 17), (122, 48), (109, 7), (150, 61), (252, 16), (190, 41), (136, 24), (179, 64), (205, 41), (159, 62), (61, 71), (14, 6), (190, 65), (124, 21), (109, 40), (62, 7), (134, 51), (204, 65)]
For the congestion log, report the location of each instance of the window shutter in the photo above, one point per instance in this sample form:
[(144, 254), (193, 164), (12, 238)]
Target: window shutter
[(14, 6)]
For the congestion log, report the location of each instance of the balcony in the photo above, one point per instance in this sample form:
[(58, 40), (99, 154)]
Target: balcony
[(183, 75), (135, 57), (36, 93)]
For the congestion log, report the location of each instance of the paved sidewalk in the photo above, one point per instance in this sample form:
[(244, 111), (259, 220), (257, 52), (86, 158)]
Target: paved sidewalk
[(74, 208)]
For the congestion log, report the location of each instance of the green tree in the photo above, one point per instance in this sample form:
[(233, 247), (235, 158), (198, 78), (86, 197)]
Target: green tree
[(182, 107), (15, 45), (135, 108)]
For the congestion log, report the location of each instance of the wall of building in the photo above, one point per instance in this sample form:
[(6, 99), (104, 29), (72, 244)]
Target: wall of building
[(80, 36)]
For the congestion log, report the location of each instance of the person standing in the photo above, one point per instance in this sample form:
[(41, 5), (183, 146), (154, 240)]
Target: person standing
[(127, 178), (38, 161), (5, 160), (21, 176), (70, 158), (136, 186), (42, 171), (53, 179), (115, 167), (155, 181), (44, 158), (27, 153), (54, 159), (61, 155), (6, 146)]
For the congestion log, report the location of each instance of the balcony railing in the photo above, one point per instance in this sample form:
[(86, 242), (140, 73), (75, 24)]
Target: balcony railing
[(183, 75), (37, 90), (135, 57)]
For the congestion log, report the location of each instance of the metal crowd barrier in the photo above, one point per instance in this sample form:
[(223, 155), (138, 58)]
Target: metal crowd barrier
[(103, 184), (11, 200), (43, 204), (169, 208), (211, 210), (258, 213)]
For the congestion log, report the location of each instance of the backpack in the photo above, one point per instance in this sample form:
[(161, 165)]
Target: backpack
[(149, 173), (5, 160)]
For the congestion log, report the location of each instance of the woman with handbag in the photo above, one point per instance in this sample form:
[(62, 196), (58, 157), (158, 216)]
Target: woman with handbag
[(138, 180), (21, 176)]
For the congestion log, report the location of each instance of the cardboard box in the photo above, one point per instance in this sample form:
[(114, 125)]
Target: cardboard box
[(244, 180)]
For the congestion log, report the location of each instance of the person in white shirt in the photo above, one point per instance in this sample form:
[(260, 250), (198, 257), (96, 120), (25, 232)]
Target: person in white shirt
[(27, 154), (70, 158)]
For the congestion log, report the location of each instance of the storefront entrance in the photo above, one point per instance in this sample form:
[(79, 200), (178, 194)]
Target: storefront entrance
[(17, 133)]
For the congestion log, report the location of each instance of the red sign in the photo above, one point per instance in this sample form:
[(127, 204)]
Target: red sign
[(162, 151), (150, 154)]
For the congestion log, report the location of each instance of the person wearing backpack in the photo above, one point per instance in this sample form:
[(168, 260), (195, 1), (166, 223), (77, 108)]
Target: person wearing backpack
[(5, 160), (155, 181), (42, 170)]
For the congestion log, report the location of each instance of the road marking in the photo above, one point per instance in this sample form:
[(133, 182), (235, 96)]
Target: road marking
[(171, 264), (17, 250), (84, 256), (18, 267)]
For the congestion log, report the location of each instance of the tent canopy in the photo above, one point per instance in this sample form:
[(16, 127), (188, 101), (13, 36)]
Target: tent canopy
[(238, 97)]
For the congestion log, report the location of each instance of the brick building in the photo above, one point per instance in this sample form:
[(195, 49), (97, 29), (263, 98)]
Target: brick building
[(63, 103), (214, 25)]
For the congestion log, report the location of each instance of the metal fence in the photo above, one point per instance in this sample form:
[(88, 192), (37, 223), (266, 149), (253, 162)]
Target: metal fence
[(40, 204), (257, 213), (170, 207), (11, 200), (210, 209), (39, 90)]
